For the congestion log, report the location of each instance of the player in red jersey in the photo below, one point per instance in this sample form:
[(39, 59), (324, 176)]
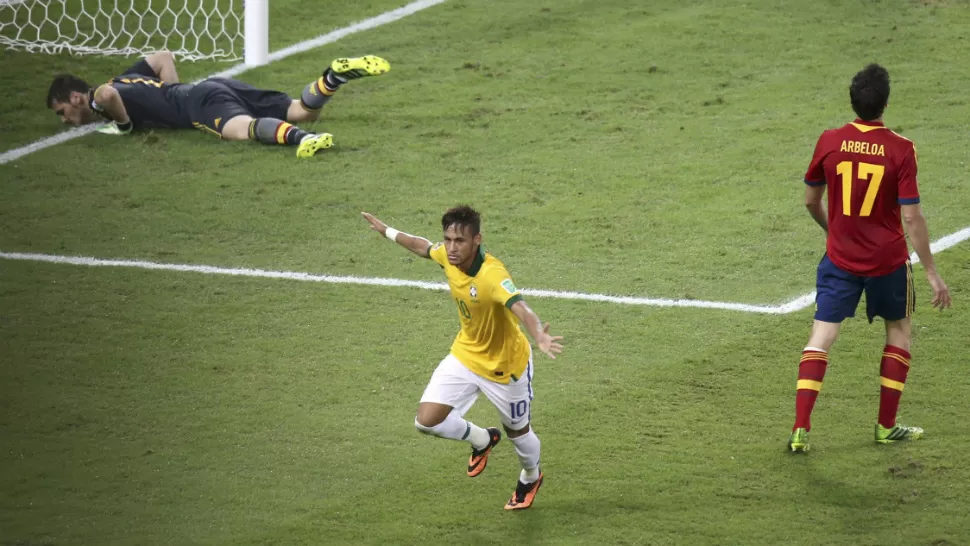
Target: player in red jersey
[(870, 173)]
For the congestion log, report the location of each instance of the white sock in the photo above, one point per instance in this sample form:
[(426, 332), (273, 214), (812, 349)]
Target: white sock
[(529, 476), (477, 436), (527, 448), (454, 427)]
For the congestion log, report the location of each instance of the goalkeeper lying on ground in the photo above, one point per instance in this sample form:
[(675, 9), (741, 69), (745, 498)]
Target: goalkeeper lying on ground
[(148, 95)]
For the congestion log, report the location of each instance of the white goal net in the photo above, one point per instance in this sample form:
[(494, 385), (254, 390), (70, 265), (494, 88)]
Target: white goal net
[(193, 29)]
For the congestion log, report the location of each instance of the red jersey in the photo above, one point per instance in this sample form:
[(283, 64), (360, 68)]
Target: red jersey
[(870, 171)]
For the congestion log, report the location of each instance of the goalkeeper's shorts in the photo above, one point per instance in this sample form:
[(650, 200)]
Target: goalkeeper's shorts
[(213, 102)]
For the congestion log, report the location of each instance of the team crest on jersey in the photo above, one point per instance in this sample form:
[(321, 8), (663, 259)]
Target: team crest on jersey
[(509, 287), (473, 291)]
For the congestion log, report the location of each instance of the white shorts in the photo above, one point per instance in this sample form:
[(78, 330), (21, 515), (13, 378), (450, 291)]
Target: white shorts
[(452, 384)]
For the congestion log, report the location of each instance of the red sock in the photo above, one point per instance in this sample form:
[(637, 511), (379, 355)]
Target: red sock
[(892, 372), (810, 374)]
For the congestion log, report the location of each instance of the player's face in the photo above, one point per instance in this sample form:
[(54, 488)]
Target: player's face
[(461, 245), (74, 112)]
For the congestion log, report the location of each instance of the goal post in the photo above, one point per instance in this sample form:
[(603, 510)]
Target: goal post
[(256, 41), (227, 30)]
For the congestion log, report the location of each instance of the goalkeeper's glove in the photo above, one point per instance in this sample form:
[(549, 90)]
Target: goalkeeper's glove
[(115, 128)]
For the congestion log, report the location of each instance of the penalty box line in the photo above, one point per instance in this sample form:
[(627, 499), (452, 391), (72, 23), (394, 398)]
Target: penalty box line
[(301, 47), (374, 281), (792, 306)]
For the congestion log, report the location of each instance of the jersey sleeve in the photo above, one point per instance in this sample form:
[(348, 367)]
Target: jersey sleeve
[(439, 254), (141, 68), (815, 176), (908, 189), (503, 289), (97, 108)]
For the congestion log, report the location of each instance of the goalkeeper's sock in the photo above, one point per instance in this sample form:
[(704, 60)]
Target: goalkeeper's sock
[(811, 371), (332, 79), (318, 93), (892, 376), (275, 131)]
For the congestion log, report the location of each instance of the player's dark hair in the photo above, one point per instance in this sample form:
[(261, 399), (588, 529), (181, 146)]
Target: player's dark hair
[(869, 92), (62, 87), (462, 216)]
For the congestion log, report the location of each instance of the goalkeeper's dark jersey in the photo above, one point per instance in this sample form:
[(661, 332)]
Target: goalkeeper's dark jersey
[(150, 102)]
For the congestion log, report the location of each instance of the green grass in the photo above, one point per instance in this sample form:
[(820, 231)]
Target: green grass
[(614, 147)]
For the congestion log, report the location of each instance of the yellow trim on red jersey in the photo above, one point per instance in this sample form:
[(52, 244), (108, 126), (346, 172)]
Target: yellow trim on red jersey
[(866, 128)]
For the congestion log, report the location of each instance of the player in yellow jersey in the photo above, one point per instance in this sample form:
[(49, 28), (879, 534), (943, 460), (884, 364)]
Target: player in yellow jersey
[(490, 354)]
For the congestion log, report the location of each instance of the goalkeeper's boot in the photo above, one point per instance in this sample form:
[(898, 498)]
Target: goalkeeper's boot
[(359, 67), (313, 143), (479, 458), (524, 494), (798, 441), (898, 433)]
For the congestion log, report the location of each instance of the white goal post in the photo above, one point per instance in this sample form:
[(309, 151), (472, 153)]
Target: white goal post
[(228, 30), (256, 37)]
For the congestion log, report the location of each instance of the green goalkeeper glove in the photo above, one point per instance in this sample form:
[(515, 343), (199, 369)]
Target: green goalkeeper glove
[(115, 128)]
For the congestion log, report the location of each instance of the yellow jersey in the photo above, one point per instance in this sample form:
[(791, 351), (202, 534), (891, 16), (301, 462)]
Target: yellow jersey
[(490, 342)]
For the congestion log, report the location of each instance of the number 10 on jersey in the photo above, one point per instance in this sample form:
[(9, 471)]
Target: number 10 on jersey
[(866, 171), (463, 308)]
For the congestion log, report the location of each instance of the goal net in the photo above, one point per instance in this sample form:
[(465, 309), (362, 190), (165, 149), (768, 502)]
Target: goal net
[(193, 29)]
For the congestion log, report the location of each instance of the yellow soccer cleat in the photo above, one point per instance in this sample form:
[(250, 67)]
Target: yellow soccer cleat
[(899, 433), (798, 441), (312, 144), (359, 67)]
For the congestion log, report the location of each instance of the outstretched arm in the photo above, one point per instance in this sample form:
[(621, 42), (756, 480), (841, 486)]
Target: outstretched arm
[(163, 64), (547, 344), (417, 245)]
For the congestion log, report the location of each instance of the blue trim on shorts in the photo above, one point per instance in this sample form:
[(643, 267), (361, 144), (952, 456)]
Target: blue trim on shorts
[(528, 375)]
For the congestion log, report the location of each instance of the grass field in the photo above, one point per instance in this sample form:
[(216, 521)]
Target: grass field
[(627, 148)]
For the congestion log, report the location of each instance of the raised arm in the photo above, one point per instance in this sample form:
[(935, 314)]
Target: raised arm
[(547, 344), (920, 237), (163, 64), (417, 245)]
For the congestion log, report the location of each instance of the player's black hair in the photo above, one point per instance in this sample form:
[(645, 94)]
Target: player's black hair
[(869, 92), (62, 87), (462, 216)]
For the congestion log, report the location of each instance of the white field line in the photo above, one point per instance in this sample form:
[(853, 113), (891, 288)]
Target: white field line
[(374, 281), (330, 37), (795, 305)]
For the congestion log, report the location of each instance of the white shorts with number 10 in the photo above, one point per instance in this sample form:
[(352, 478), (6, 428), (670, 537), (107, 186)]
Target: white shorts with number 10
[(452, 384)]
